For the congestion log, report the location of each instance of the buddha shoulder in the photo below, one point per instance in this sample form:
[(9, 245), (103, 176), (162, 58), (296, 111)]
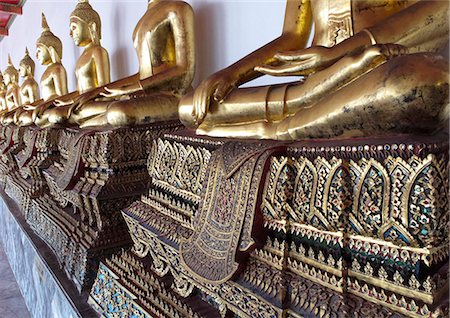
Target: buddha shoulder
[(96, 52), (29, 82), (55, 68), (174, 6), (163, 10)]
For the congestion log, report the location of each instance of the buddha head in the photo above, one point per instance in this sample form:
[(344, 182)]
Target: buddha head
[(85, 24), (10, 75), (48, 46), (26, 65)]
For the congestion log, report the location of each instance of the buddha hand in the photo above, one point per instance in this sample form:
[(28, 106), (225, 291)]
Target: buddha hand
[(302, 62), (316, 58), (217, 86), (121, 91), (89, 96), (63, 102), (28, 107)]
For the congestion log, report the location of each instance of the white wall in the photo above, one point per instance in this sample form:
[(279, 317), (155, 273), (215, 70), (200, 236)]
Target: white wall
[(226, 30)]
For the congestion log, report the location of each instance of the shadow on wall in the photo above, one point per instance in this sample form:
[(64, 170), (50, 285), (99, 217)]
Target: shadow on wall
[(119, 59), (208, 19)]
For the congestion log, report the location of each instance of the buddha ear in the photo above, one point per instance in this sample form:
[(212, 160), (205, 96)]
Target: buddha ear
[(54, 55), (94, 32)]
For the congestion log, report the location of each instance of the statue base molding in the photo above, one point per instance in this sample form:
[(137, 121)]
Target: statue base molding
[(45, 288), (91, 176), (361, 222)]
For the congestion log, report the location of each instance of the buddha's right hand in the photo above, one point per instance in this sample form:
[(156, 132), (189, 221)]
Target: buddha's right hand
[(217, 86), (61, 102), (28, 107), (112, 93), (302, 62)]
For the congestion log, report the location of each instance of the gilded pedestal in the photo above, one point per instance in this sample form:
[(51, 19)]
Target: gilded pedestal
[(97, 174), (12, 143), (38, 151), (309, 252)]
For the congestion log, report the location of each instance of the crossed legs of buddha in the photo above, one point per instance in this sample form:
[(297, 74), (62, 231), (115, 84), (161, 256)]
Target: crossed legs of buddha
[(358, 95), (157, 107)]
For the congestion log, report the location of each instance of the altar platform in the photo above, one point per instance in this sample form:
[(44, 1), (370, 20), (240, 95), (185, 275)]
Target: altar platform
[(46, 290), (226, 228)]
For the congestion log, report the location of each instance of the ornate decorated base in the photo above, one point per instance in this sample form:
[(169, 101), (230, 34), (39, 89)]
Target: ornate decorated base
[(388, 199), (96, 175), (362, 223), (11, 143), (38, 152), (77, 247), (125, 287), (12, 140)]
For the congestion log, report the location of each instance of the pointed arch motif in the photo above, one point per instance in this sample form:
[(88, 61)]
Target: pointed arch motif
[(371, 204)]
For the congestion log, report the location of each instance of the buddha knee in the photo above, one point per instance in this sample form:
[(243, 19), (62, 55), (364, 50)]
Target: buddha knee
[(40, 120), (117, 115), (416, 70), (421, 78), (20, 119), (24, 119), (56, 116), (185, 111), (8, 120)]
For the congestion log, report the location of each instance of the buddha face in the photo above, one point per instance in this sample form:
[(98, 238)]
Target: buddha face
[(79, 32), (7, 79), (23, 70), (43, 55)]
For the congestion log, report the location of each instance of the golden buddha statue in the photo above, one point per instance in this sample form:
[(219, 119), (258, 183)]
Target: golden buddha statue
[(92, 68), (13, 98), (164, 42), (29, 90), (371, 69), (2, 93), (53, 81)]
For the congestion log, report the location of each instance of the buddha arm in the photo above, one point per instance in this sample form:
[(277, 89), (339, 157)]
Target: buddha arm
[(66, 99), (181, 74), (16, 98), (295, 35), (129, 80), (2, 102), (421, 27), (34, 94), (296, 31), (24, 92), (119, 87), (60, 81), (102, 67)]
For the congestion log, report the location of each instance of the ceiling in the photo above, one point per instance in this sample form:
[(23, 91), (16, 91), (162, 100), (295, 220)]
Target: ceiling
[(9, 9)]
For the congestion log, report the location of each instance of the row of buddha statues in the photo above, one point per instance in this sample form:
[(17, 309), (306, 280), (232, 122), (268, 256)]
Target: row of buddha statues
[(374, 67)]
